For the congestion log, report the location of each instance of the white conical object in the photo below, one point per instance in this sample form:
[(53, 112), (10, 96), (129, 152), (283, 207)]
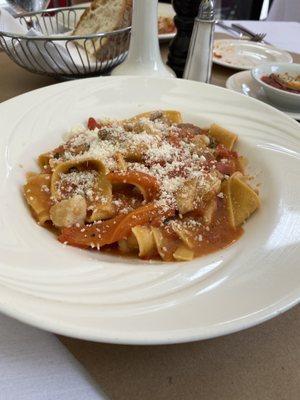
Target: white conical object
[(144, 57)]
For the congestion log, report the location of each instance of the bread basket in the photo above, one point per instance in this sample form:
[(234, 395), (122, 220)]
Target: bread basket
[(49, 48)]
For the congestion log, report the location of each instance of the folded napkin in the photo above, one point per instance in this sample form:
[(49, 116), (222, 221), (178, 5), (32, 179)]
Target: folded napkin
[(60, 56), (284, 35), (34, 365)]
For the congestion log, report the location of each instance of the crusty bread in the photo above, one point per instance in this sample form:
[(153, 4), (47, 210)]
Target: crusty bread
[(103, 16)]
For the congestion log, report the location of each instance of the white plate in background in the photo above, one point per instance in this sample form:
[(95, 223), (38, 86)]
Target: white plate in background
[(95, 296), (164, 10), (244, 54), (242, 82)]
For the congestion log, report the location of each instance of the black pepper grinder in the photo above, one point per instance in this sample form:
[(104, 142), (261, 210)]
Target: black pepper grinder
[(186, 12)]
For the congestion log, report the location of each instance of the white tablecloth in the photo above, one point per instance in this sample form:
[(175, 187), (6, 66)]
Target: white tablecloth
[(34, 365), (285, 35), (285, 10)]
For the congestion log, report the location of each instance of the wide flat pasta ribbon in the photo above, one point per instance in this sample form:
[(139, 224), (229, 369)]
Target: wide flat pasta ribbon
[(37, 194), (173, 117), (241, 199), (65, 167), (222, 136)]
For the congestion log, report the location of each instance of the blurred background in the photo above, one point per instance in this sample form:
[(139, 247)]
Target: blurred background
[(226, 9), (240, 9)]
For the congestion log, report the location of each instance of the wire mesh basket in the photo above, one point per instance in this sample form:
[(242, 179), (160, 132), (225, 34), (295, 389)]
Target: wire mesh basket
[(47, 46)]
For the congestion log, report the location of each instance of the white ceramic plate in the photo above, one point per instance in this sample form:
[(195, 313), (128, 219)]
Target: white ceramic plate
[(244, 54), (164, 10), (242, 82), (99, 297)]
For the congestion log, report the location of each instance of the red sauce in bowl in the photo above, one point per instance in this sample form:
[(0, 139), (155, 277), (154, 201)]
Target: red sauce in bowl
[(270, 80)]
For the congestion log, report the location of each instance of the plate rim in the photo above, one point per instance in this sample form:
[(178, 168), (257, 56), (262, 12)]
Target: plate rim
[(166, 337), (169, 337)]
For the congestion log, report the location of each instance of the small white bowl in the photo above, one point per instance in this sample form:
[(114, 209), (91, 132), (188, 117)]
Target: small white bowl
[(281, 98)]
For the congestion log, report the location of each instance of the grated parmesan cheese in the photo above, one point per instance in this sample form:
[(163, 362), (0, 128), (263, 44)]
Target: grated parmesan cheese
[(150, 145)]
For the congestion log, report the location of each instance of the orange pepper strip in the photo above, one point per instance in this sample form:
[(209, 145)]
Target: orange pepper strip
[(98, 234), (140, 216), (112, 230), (147, 184)]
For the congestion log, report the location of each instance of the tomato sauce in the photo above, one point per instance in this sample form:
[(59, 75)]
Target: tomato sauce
[(269, 80), (219, 235), (216, 236)]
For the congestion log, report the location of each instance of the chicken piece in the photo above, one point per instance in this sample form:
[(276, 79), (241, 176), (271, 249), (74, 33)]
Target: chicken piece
[(69, 212), (195, 192), (186, 196), (201, 142)]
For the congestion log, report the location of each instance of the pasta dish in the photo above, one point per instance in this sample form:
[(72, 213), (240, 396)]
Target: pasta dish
[(152, 186), (166, 25)]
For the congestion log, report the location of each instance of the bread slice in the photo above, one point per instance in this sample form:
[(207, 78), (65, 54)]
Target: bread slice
[(103, 16)]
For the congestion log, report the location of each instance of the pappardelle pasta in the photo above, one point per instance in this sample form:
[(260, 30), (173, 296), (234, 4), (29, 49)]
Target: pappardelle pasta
[(151, 186)]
